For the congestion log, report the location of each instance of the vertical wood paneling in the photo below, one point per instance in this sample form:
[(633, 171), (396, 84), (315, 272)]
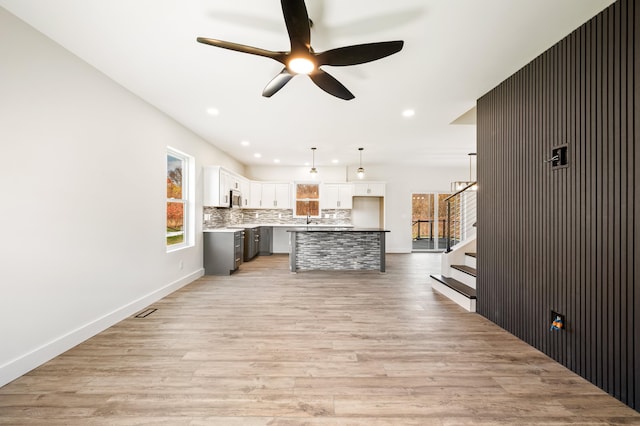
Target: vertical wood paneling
[(635, 129), (567, 239)]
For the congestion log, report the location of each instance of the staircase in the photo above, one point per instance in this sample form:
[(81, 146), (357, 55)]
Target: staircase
[(458, 278), (460, 287)]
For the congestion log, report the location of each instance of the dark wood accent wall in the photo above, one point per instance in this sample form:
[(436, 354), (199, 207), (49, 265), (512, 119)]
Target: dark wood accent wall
[(567, 239)]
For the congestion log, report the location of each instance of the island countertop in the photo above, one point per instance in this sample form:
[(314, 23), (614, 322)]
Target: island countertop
[(334, 229)]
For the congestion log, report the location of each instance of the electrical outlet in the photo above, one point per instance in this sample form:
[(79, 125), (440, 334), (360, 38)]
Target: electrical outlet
[(207, 216), (558, 321)]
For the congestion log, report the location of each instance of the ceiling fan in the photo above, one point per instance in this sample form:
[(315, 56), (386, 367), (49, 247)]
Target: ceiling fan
[(302, 59)]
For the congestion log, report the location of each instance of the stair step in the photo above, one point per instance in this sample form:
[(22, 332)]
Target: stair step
[(470, 254), (466, 269), (456, 285)]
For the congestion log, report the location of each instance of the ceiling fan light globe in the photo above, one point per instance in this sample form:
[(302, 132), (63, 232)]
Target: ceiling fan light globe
[(301, 66)]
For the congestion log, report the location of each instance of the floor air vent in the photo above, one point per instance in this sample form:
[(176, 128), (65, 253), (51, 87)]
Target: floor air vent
[(145, 313)]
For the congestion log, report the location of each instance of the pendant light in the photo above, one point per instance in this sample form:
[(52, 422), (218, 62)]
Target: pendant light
[(461, 184), (360, 169), (313, 171)]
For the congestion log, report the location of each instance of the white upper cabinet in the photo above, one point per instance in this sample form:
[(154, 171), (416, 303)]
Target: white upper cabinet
[(283, 195), (270, 195), (276, 195), (255, 195), (336, 196), (232, 181), (245, 191), (218, 184), (215, 181), (368, 189)]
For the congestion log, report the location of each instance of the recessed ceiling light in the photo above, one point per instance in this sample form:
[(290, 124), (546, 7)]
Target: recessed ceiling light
[(408, 113), (277, 160), (335, 161), (213, 111), (245, 143), (257, 155)]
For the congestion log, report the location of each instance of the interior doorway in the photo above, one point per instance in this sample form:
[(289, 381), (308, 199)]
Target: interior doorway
[(428, 222)]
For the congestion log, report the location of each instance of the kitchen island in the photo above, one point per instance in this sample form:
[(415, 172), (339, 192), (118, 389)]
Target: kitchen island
[(339, 248)]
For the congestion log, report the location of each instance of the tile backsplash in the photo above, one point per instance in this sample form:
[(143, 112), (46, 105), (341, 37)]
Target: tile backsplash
[(220, 217)]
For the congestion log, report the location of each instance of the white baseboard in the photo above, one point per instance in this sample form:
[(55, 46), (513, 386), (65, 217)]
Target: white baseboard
[(27, 362)]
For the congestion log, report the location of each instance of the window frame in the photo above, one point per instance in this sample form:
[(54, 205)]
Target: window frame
[(187, 200), (298, 214)]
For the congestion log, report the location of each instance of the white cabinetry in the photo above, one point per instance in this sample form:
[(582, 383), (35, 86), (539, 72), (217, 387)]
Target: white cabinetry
[(283, 195), (272, 195), (216, 187), (230, 180), (336, 196), (276, 195), (245, 191), (255, 195), (218, 184), (368, 189)]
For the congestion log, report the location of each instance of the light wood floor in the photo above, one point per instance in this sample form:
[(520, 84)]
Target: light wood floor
[(267, 347)]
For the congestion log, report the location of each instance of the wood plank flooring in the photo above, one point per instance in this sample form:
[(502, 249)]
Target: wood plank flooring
[(268, 347)]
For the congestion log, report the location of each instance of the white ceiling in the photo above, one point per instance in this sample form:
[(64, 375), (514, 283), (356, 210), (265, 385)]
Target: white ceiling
[(455, 51)]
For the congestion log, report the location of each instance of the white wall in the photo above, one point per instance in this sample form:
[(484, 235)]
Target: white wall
[(291, 174), (402, 181), (83, 208)]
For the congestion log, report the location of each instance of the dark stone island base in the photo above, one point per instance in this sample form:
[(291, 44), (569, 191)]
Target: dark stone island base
[(330, 249)]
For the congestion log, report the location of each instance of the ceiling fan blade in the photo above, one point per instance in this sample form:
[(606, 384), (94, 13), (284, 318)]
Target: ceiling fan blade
[(277, 83), (359, 54), (297, 20), (330, 85), (278, 56)]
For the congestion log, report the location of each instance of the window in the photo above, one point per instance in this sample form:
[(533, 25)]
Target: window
[(179, 225), (307, 199)]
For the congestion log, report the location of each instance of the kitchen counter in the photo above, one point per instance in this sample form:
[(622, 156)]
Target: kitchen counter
[(336, 248), (294, 225), (276, 225), (333, 228)]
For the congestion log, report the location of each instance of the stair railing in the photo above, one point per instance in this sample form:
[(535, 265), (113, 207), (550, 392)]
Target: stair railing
[(461, 215)]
